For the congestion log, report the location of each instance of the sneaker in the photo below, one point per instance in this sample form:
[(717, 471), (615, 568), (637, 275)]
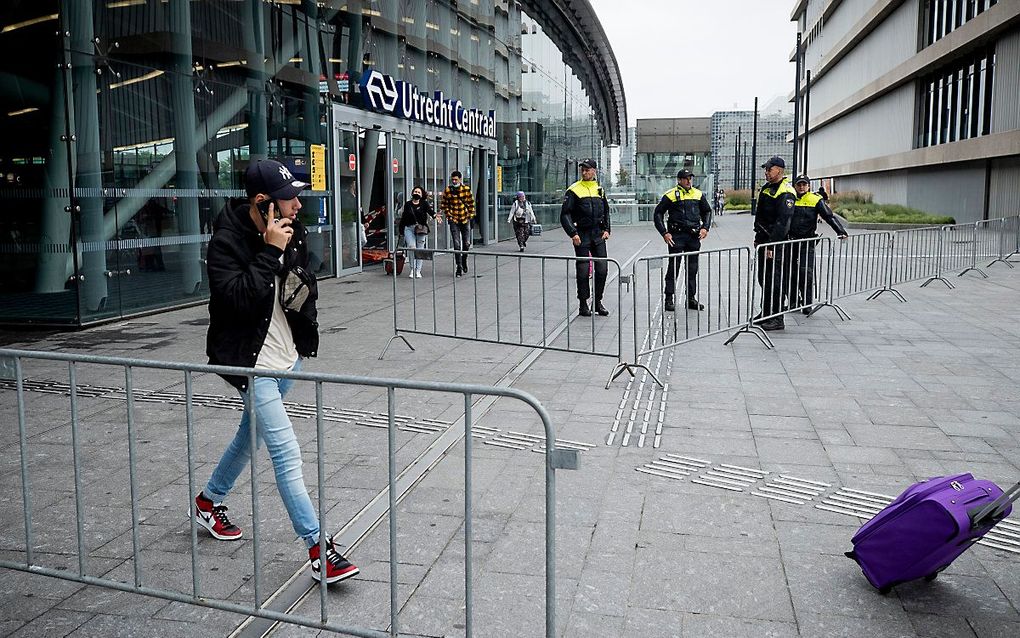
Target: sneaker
[(776, 323), (214, 518), (337, 567), (668, 304), (459, 272), (465, 266), (693, 304), (417, 274), (600, 309), (410, 275), (582, 309)]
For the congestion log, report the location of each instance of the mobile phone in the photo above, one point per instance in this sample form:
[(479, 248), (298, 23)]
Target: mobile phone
[(263, 207)]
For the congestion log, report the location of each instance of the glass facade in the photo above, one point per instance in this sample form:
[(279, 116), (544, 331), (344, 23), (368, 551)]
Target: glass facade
[(129, 124), (731, 145), (656, 173)]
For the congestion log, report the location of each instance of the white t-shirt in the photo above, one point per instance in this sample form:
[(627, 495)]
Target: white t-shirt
[(278, 350)]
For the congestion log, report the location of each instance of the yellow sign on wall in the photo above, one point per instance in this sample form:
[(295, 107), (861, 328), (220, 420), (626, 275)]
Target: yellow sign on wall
[(318, 167), (499, 178)]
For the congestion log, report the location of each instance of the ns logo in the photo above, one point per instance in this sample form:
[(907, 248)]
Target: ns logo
[(379, 90)]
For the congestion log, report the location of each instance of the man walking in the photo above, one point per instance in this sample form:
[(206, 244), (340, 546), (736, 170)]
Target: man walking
[(806, 211), (458, 206), (683, 218), (255, 250), (585, 219), (772, 224)]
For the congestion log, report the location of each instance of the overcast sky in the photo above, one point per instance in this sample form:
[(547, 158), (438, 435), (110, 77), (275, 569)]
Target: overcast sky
[(682, 58)]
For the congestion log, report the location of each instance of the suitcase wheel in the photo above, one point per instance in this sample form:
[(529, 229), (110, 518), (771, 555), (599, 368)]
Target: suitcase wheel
[(885, 590), (931, 577)]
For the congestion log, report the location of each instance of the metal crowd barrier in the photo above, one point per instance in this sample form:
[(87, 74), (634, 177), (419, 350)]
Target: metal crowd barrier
[(959, 249), (787, 273), (11, 365), (1011, 238), (914, 254), (993, 236), (860, 264), (495, 303), (723, 277)]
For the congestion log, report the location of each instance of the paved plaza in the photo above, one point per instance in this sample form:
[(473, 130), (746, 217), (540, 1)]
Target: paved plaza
[(731, 522)]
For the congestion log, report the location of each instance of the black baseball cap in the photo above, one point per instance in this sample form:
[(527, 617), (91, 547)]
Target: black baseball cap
[(588, 163), (802, 178), (272, 178), (683, 172), (775, 160)]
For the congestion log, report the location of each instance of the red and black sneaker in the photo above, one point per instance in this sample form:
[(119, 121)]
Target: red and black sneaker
[(337, 567), (214, 518)]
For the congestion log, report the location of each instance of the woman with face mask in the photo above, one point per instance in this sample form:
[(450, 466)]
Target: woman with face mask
[(522, 217), (414, 226)]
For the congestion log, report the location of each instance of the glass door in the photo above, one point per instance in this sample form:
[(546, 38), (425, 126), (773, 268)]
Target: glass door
[(351, 231), (400, 188), (374, 188)]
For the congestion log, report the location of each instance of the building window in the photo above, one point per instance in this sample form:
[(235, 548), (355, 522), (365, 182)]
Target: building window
[(955, 101), (941, 17)]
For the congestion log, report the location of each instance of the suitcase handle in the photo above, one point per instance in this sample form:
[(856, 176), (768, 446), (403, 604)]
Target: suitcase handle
[(995, 509)]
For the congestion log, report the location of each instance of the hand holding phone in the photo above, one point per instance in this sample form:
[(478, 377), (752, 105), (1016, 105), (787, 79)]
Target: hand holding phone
[(278, 230)]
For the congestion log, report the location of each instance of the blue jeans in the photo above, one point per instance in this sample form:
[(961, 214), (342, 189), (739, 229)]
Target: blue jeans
[(411, 240), (277, 432)]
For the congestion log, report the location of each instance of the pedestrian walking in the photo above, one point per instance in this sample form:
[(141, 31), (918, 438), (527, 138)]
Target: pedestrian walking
[(522, 216), (414, 226), (771, 224), (683, 217), (262, 315), (585, 218), (804, 224), (458, 206)]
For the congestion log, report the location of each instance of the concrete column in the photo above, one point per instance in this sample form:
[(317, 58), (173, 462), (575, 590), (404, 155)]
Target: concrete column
[(254, 46), (50, 274)]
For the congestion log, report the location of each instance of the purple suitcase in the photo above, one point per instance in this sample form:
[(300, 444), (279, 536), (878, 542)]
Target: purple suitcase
[(923, 531)]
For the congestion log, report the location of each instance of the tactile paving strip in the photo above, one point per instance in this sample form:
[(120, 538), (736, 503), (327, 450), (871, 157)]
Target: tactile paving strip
[(799, 491)]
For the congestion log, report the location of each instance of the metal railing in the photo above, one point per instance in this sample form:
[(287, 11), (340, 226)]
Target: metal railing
[(497, 302), (993, 236), (11, 365), (721, 279)]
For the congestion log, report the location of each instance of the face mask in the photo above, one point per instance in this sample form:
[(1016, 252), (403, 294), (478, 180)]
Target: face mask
[(415, 197)]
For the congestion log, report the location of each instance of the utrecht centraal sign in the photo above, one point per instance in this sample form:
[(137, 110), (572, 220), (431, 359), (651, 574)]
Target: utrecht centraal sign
[(402, 99)]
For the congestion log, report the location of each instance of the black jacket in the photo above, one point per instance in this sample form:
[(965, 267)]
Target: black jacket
[(773, 213), (242, 281), (420, 214), (585, 209), (682, 210)]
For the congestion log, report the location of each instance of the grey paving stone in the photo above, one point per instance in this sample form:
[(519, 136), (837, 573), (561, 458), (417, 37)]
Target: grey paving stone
[(747, 587), (653, 623), (791, 451), (933, 626), (821, 625), (861, 454), (588, 625), (958, 595), (835, 584), (709, 626), (58, 622)]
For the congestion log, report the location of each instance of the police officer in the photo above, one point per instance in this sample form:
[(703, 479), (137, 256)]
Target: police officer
[(585, 218), (806, 211), (771, 224), (683, 218)]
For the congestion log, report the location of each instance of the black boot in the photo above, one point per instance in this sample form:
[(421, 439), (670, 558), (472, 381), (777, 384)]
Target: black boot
[(668, 305), (582, 308), (599, 308), (693, 304), (775, 323)]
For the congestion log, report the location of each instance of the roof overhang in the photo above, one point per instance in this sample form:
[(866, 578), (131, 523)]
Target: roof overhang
[(576, 30)]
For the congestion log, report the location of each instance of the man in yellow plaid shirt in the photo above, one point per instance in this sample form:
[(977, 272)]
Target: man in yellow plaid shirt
[(458, 206)]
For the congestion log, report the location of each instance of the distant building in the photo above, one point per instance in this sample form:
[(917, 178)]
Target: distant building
[(775, 126), (628, 159), (916, 101), (664, 146)]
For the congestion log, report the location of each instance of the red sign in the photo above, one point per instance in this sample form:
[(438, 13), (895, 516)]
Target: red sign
[(396, 166), (351, 161)]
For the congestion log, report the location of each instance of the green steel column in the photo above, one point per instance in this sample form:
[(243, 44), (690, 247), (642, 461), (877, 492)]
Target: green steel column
[(183, 99), (89, 178), (56, 223), (255, 48)]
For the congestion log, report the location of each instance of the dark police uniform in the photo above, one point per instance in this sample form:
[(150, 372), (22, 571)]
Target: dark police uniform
[(585, 213), (773, 214), (683, 213), (804, 225)]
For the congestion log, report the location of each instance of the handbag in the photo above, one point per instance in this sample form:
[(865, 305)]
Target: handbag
[(536, 229), (297, 286), (421, 229)]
